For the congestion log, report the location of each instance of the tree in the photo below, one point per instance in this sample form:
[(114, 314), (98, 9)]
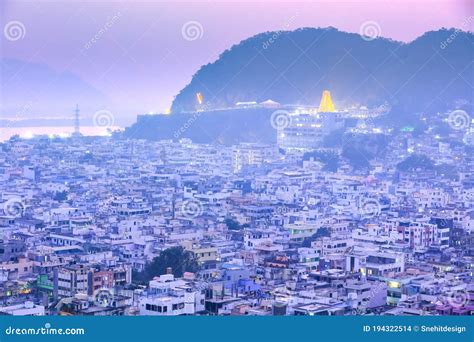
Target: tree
[(334, 138), (359, 149), (446, 171), (330, 159), (415, 162), (60, 196), (232, 224), (179, 259), (355, 157)]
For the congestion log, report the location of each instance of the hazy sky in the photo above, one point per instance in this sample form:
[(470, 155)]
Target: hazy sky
[(143, 58)]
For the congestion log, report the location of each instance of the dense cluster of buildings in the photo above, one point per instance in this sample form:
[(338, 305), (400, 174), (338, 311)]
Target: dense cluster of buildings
[(272, 232)]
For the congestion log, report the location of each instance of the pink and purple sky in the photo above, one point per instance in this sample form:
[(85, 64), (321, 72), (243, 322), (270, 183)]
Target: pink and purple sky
[(142, 60)]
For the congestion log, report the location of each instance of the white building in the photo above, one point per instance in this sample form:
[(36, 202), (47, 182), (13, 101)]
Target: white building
[(168, 296), (23, 309)]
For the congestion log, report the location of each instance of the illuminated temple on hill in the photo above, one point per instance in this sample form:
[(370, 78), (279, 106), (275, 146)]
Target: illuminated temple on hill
[(326, 105), (307, 127)]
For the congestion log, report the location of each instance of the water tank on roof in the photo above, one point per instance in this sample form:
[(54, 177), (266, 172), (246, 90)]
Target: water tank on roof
[(279, 308)]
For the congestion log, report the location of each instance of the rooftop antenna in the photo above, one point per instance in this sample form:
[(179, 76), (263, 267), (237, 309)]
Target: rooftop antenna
[(76, 122)]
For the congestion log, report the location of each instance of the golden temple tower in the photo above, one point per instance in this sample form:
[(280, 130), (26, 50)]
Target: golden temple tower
[(326, 104)]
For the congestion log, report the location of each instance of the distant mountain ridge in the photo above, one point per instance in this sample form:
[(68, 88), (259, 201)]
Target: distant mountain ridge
[(29, 91), (434, 72)]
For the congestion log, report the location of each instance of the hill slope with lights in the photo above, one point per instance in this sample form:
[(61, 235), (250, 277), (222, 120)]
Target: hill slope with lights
[(232, 100), (294, 67)]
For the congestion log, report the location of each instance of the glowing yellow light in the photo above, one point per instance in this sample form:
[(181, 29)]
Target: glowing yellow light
[(326, 104), (168, 111), (199, 98), (393, 284), (27, 135)]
